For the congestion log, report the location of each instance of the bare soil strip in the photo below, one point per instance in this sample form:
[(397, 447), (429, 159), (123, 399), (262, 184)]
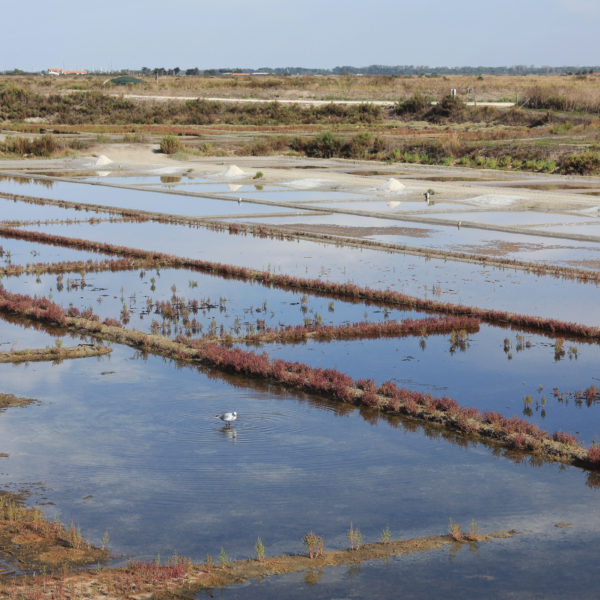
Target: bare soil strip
[(9, 400), (182, 579), (28, 541), (54, 354)]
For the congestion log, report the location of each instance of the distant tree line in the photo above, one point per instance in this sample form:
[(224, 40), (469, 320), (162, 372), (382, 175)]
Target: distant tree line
[(422, 70), (382, 70)]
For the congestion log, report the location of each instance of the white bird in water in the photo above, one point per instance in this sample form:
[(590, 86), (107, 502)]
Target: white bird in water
[(228, 417), (239, 200)]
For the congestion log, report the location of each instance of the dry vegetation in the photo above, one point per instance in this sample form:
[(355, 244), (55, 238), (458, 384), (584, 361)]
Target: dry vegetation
[(554, 127), (57, 353), (329, 87)]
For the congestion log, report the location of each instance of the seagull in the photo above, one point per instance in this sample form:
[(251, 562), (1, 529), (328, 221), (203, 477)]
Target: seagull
[(239, 200), (228, 417)]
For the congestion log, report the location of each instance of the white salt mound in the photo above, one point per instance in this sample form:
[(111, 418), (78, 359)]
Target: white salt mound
[(102, 160), (493, 200), (592, 211), (391, 186), (232, 171)]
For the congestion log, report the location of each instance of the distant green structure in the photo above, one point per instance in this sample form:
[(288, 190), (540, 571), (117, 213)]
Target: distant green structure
[(125, 79)]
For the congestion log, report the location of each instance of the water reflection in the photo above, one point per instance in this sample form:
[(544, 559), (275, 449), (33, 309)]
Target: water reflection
[(91, 432), (229, 432), (459, 282), (22, 180)]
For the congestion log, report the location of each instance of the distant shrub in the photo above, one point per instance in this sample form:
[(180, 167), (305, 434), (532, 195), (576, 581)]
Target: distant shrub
[(324, 145), (170, 144), (587, 163), (449, 108), (45, 145), (417, 103)]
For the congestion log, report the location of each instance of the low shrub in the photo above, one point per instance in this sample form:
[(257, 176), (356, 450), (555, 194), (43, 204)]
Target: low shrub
[(170, 145), (414, 104), (587, 163)]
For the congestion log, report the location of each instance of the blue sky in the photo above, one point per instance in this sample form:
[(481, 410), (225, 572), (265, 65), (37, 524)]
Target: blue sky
[(104, 34)]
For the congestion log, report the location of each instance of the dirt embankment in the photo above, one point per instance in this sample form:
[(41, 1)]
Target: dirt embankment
[(9, 400), (179, 578), (56, 353)]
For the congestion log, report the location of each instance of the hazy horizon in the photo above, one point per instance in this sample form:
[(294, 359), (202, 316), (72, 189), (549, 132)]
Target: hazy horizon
[(115, 35)]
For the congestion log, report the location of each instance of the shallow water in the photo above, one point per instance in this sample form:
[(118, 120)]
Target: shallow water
[(481, 374), (22, 252), (11, 210), (129, 451), (449, 281), (139, 199), (476, 241), (590, 227), (394, 204), (511, 568), (346, 220), (129, 444), (138, 179), (230, 303), (15, 336), (208, 186), (523, 218), (299, 196), (15, 182)]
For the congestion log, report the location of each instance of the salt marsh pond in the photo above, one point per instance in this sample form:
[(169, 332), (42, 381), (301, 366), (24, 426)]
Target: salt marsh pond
[(128, 443)]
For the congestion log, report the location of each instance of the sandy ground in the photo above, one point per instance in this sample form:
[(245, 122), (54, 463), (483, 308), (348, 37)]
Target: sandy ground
[(301, 101), (500, 189), (346, 174)]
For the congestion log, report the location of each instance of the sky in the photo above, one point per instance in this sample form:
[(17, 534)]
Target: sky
[(120, 34)]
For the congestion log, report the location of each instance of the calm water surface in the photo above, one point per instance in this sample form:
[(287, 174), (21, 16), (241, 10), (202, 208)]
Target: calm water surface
[(132, 447), (482, 375), (449, 281), (557, 564)]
